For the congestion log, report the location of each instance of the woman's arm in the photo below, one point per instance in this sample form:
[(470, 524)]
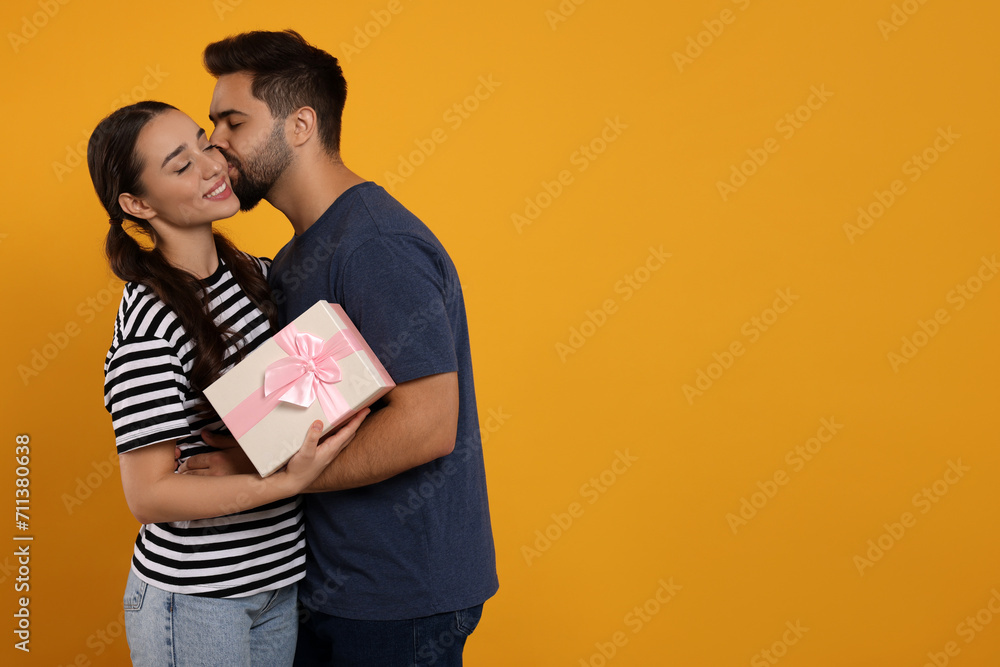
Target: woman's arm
[(418, 424), (156, 494)]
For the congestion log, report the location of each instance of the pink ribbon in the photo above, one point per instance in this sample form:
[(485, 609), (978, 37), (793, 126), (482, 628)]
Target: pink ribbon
[(309, 372)]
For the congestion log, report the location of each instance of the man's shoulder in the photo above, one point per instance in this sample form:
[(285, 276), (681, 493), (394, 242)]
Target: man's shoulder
[(382, 207), (376, 218), (381, 214)]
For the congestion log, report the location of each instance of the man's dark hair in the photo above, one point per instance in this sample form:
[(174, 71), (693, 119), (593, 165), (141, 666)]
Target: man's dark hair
[(288, 73)]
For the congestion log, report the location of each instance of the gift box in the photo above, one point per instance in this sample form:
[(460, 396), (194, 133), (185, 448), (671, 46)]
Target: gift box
[(317, 367)]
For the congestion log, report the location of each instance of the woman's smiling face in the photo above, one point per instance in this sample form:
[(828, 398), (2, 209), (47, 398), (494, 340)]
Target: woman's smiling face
[(185, 178)]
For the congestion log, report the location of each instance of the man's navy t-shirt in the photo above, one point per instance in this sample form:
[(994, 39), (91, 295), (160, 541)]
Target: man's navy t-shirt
[(419, 543)]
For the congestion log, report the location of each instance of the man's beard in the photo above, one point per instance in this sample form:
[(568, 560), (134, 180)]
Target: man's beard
[(257, 175)]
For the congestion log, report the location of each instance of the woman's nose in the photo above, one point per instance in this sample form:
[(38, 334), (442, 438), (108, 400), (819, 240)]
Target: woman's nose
[(213, 168)]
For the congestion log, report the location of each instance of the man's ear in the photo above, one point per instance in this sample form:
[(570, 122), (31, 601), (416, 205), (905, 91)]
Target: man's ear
[(135, 206), (303, 126)]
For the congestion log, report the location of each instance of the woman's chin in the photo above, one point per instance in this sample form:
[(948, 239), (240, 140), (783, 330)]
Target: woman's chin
[(231, 208)]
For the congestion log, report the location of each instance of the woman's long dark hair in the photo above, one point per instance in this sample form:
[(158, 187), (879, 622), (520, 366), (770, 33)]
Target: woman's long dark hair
[(115, 167)]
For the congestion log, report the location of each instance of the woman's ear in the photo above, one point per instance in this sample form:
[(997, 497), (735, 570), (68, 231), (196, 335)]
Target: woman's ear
[(135, 206)]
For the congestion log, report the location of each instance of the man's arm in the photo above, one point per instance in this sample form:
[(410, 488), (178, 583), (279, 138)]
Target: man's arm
[(418, 424)]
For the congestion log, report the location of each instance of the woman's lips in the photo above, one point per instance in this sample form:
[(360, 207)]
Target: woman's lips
[(220, 191)]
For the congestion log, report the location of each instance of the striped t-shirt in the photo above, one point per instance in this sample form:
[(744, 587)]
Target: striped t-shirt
[(147, 392)]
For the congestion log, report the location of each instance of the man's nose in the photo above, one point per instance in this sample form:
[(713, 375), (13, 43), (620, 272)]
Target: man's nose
[(218, 138)]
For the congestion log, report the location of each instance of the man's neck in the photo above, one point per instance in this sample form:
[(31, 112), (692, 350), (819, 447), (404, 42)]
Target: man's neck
[(306, 191)]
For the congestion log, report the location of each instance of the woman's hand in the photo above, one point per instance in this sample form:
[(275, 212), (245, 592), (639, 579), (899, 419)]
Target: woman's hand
[(314, 456)]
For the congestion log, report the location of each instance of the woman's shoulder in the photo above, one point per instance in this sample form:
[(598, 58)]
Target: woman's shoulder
[(143, 316)]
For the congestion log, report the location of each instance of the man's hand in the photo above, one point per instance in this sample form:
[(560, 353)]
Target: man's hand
[(229, 460)]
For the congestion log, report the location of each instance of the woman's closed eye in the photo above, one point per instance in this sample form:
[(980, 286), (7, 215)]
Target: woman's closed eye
[(209, 147)]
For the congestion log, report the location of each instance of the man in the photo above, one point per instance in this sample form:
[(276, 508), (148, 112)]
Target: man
[(400, 548)]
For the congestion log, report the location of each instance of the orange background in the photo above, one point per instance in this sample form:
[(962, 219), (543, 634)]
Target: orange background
[(577, 557)]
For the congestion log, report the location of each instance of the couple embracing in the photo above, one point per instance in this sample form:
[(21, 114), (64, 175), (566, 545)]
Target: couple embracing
[(315, 564)]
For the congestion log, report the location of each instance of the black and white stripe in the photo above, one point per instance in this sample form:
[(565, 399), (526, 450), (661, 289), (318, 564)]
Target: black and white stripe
[(150, 399)]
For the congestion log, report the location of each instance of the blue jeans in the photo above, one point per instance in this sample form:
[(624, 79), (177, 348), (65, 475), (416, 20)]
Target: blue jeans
[(171, 629), (419, 642)]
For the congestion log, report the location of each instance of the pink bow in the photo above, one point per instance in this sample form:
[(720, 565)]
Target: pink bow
[(309, 372)]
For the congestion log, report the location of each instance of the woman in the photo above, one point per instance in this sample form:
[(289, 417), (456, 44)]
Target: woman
[(201, 590)]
